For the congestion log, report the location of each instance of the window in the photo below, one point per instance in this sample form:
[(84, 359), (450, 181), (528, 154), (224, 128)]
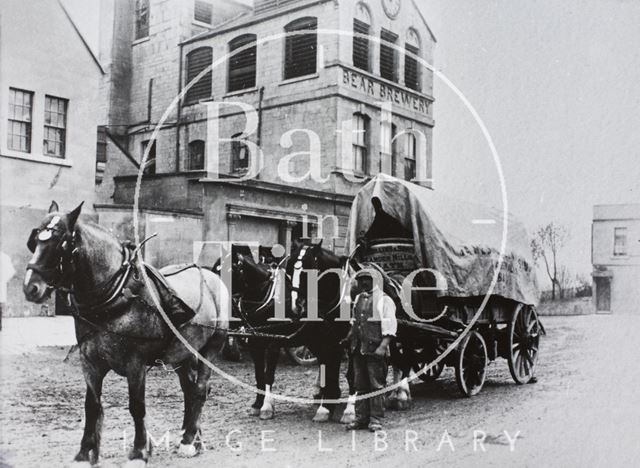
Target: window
[(150, 167), (55, 126), (195, 161), (101, 152), (410, 157), (388, 56), (242, 65), (620, 241), (300, 49), (142, 18), (411, 70), (360, 143), (239, 155), (198, 60), (203, 12), (19, 128), (361, 26), (394, 150)]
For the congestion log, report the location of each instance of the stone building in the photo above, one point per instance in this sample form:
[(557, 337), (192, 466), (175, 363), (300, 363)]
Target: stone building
[(49, 112), (286, 81), (615, 254)]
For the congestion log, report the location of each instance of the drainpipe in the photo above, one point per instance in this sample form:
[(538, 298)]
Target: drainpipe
[(260, 97), (179, 111)]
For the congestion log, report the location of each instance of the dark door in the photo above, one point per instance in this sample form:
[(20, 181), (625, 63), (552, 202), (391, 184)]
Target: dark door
[(603, 294)]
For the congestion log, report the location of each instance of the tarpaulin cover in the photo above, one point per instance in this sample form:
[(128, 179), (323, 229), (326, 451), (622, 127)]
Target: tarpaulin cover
[(459, 239)]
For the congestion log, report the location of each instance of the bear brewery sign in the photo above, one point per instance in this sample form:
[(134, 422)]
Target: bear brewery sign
[(386, 92)]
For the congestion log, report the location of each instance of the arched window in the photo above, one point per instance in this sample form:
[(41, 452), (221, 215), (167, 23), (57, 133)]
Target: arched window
[(239, 155), (242, 65), (361, 27), (198, 60), (388, 55), (360, 129), (195, 161), (300, 49), (410, 156), (411, 69)]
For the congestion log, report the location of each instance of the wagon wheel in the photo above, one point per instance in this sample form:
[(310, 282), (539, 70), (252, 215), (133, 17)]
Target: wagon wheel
[(471, 364), (431, 374), (524, 338), (301, 356), (425, 358)]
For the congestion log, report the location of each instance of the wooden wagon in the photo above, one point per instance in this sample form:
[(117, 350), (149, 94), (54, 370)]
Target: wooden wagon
[(479, 291)]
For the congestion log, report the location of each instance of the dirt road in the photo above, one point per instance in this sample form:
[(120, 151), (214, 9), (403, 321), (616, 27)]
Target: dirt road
[(584, 411)]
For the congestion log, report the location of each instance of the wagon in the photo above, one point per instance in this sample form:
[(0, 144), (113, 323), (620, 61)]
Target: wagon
[(478, 294)]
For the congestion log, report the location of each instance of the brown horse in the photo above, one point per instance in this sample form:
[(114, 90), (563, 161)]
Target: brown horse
[(119, 327)]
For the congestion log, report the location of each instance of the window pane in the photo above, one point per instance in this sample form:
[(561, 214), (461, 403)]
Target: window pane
[(142, 18), (301, 49), (411, 68), (197, 61), (388, 56), (620, 241), (242, 65), (19, 121), (203, 11), (360, 45)]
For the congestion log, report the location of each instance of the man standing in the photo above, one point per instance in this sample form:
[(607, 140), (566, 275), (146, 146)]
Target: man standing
[(6, 273), (373, 327)]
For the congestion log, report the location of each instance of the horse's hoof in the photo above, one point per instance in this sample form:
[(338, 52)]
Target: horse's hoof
[(322, 415), (266, 413), (137, 463), (80, 464), (254, 411), (187, 450), (347, 418)]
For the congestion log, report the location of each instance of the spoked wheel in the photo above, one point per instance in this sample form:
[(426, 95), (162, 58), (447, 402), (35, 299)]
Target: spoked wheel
[(425, 358), (302, 356), (471, 364), (524, 339)]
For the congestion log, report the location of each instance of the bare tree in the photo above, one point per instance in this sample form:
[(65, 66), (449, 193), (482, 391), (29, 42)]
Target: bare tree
[(546, 243)]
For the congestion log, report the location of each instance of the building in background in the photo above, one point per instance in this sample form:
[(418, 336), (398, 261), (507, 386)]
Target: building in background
[(615, 254), (304, 80), (50, 109)]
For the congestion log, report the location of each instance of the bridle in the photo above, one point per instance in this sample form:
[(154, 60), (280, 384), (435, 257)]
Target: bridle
[(59, 276)]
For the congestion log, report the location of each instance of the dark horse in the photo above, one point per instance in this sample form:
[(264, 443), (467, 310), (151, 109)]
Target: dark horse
[(251, 287), (118, 327), (332, 290)]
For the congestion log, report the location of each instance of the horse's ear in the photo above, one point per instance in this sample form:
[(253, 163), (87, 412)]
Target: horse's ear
[(54, 206), (317, 247), (72, 217)]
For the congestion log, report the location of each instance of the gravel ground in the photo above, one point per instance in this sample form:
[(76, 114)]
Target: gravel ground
[(583, 412)]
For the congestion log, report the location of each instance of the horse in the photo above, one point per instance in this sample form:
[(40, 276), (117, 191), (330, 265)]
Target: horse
[(324, 336), (119, 328), (333, 290), (251, 287)]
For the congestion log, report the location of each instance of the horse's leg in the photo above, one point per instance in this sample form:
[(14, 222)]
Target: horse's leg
[(90, 445), (187, 374), (349, 414), (330, 388), (191, 442), (136, 378), (400, 397), (258, 357), (267, 409)]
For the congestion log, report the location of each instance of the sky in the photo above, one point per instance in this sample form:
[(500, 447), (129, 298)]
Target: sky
[(557, 86), (556, 82)]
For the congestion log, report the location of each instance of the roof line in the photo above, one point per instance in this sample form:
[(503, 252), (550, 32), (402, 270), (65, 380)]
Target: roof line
[(424, 20), (84, 42)]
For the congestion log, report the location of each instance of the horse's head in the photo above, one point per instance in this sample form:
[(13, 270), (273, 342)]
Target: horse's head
[(306, 257), (52, 245)]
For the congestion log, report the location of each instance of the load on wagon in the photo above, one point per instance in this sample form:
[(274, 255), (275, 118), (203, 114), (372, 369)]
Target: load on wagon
[(474, 284)]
